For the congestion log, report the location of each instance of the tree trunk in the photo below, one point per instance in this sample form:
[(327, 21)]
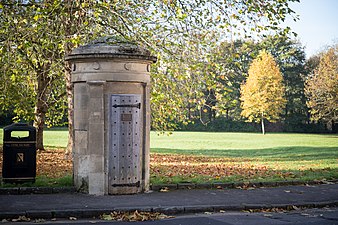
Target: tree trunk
[(69, 89), (39, 123), (262, 121), (41, 106), (69, 25)]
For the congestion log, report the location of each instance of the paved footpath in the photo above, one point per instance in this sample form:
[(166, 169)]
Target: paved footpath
[(172, 202)]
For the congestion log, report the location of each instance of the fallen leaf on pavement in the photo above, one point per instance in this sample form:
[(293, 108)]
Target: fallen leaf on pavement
[(21, 218), (39, 221), (165, 189), (134, 216), (295, 207)]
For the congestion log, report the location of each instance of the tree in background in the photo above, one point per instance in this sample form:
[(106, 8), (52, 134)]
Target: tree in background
[(232, 61), (290, 57), (322, 89), (35, 36), (262, 95)]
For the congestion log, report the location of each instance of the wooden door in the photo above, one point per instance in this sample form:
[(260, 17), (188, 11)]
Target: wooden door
[(125, 139)]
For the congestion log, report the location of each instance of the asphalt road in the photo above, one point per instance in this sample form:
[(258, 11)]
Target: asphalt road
[(323, 216)]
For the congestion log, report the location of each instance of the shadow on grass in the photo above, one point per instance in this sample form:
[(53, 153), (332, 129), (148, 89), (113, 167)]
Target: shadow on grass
[(296, 153)]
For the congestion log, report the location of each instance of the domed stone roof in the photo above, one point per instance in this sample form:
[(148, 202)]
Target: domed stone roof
[(111, 47)]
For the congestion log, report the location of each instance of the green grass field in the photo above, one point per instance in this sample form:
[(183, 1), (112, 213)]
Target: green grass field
[(282, 156), (288, 149), (251, 156)]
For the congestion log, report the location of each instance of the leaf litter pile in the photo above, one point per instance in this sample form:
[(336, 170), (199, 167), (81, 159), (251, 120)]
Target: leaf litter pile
[(210, 168), (50, 163), (134, 216)]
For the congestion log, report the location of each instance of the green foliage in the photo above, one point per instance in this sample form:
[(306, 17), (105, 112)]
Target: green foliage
[(35, 36), (230, 62), (290, 57), (221, 125)]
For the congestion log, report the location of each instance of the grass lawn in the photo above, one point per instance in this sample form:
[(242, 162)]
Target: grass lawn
[(232, 157)]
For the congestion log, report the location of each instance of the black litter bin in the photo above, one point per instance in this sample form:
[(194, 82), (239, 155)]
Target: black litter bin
[(19, 153)]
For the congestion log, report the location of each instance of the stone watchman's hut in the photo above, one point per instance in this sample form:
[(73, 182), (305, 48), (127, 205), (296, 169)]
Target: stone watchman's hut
[(111, 116)]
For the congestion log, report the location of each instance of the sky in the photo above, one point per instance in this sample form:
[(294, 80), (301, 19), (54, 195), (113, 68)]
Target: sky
[(317, 26)]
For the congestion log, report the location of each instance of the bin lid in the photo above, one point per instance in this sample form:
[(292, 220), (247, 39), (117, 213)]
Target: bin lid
[(19, 127), (111, 47)]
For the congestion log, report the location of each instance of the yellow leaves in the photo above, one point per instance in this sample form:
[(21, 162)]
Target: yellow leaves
[(53, 163), (134, 216), (21, 219), (264, 89), (322, 87), (36, 17), (170, 166)]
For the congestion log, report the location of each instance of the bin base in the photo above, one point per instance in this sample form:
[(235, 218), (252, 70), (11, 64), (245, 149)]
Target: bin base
[(19, 180)]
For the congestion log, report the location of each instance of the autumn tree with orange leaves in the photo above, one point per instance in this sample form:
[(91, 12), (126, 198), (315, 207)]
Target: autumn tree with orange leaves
[(321, 89), (263, 93)]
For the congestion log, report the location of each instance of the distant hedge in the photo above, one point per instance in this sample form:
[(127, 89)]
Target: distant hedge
[(226, 125)]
